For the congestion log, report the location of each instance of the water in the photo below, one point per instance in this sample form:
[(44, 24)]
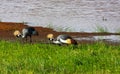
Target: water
[(109, 38), (78, 15)]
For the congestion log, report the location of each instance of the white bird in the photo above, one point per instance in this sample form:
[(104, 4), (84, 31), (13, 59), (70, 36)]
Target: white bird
[(62, 39), (28, 31)]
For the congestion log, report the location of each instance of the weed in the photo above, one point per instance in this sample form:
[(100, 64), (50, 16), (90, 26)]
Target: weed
[(59, 28), (99, 28)]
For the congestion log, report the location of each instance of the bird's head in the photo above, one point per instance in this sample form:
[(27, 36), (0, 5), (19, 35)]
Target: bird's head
[(50, 37), (17, 33), (71, 41)]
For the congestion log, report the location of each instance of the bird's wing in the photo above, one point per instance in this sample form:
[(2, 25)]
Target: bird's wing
[(64, 37), (62, 41), (57, 42), (24, 32)]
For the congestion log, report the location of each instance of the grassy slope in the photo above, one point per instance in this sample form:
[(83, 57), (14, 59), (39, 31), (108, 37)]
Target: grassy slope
[(16, 58)]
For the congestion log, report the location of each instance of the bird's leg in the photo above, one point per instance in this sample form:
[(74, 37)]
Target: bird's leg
[(22, 40), (26, 39), (30, 39)]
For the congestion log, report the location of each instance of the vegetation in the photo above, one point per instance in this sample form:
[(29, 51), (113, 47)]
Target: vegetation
[(98, 28), (98, 58), (101, 28), (59, 28)]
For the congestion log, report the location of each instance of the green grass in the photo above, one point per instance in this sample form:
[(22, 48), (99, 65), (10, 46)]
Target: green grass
[(99, 28), (99, 58)]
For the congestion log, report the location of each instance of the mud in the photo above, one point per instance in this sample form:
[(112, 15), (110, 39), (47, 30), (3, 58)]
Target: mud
[(7, 29)]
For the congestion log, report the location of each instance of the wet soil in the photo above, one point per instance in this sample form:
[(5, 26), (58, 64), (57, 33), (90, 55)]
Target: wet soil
[(7, 29)]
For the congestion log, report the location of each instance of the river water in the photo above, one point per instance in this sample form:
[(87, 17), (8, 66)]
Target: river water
[(76, 15)]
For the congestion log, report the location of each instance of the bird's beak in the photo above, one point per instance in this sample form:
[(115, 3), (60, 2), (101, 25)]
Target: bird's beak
[(51, 39), (18, 36)]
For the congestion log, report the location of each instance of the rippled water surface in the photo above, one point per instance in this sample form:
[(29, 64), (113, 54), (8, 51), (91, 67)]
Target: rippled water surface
[(108, 38), (78, 15)]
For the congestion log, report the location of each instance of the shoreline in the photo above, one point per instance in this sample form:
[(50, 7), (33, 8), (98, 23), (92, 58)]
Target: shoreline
[(7, 29)]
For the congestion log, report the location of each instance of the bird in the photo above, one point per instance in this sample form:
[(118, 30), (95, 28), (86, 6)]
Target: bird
[(62, 39), (26, 32)]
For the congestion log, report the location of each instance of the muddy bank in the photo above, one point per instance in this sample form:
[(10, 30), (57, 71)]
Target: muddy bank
[(7, 29)]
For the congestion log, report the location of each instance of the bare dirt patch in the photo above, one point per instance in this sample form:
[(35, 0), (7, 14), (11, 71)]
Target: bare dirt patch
[(7, 29)]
